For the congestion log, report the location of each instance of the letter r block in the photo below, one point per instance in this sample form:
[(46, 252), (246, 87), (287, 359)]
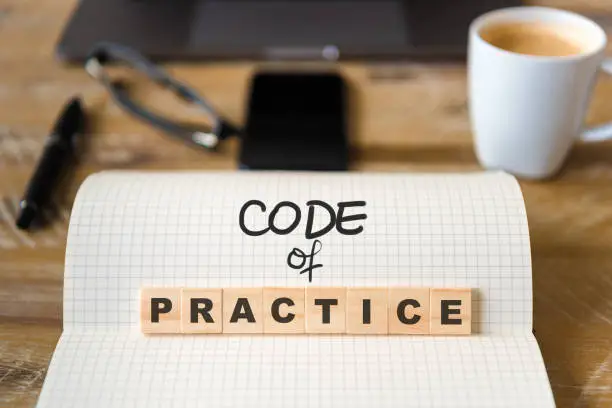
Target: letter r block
[(160, 310), (201, 310)]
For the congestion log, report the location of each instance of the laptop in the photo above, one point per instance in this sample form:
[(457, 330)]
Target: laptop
[(276, 29)]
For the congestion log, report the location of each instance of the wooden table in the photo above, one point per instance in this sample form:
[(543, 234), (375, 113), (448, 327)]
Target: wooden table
[(405, 117)]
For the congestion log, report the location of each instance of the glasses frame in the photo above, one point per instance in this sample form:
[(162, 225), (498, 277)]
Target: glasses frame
[(106, 52)]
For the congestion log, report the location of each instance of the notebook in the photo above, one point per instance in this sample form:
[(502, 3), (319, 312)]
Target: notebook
[(139, 229)]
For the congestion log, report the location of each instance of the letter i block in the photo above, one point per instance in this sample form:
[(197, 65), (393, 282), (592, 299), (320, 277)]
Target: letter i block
[(201, 310), (366, 311), (284, 310), (325, 310), (451, 311), (160, 310), (409, 310), (243, 310)]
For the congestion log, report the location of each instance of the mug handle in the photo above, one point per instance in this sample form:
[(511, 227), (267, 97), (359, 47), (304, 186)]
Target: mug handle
[(601, 132)]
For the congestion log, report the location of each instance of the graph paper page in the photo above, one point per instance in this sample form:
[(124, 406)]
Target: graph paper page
[(133, 230)]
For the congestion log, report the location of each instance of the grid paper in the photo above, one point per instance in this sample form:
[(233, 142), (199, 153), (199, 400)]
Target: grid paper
[(130, 230)]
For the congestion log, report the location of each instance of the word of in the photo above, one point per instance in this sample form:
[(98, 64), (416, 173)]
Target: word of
[(297, 259), (393, 310)]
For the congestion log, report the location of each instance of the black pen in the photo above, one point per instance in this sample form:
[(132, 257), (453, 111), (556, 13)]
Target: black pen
[(58, 154)]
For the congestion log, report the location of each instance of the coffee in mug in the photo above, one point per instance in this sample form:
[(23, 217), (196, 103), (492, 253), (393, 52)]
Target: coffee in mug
[(534, 38), (531, 73)]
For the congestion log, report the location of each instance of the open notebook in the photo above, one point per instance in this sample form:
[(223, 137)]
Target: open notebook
[(132, 229)]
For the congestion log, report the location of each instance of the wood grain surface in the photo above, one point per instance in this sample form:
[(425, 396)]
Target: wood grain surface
[(404, 117)]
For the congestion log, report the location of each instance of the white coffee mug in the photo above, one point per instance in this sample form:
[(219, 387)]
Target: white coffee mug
[(527, 111)]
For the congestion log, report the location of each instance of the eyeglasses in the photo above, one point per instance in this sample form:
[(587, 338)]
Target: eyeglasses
[(106, 52)]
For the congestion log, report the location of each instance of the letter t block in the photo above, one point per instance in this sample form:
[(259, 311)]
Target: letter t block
[(325, 310)]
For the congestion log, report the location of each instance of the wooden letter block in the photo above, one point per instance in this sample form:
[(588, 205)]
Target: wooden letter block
[(284, 310), (201, 310), (325, 310), (451, 311), (243, 310), (366, 311), (409, 310), (160, 310)]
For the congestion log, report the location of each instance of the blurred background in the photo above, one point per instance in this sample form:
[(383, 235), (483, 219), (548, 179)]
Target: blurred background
[(407, 112)]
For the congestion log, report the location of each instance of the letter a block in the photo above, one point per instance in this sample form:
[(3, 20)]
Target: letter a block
[(325, 310), (451, 311), (160, 310), (243, 310), (201, 311), (284, 310)]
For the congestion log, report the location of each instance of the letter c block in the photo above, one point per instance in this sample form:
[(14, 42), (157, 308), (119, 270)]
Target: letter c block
[(408, 310), (284, 310)]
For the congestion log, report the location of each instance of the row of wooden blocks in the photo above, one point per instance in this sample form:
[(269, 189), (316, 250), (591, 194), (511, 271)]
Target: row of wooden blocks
[(375, 310)]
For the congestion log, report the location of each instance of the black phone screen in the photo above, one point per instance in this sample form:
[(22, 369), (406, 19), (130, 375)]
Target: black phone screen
[(295, 122)]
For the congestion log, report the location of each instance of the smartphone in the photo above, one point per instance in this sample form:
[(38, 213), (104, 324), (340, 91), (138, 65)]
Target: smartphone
[(296, 121)]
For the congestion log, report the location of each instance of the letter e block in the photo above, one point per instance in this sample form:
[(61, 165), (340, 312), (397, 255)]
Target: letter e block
[(408, 310), (160, 310), (284, 310), (366, 311), (201, 310), (243, 310), (325, 310), (451, 311)]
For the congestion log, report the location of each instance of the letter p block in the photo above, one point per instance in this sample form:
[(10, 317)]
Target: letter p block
[(160, 310)]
